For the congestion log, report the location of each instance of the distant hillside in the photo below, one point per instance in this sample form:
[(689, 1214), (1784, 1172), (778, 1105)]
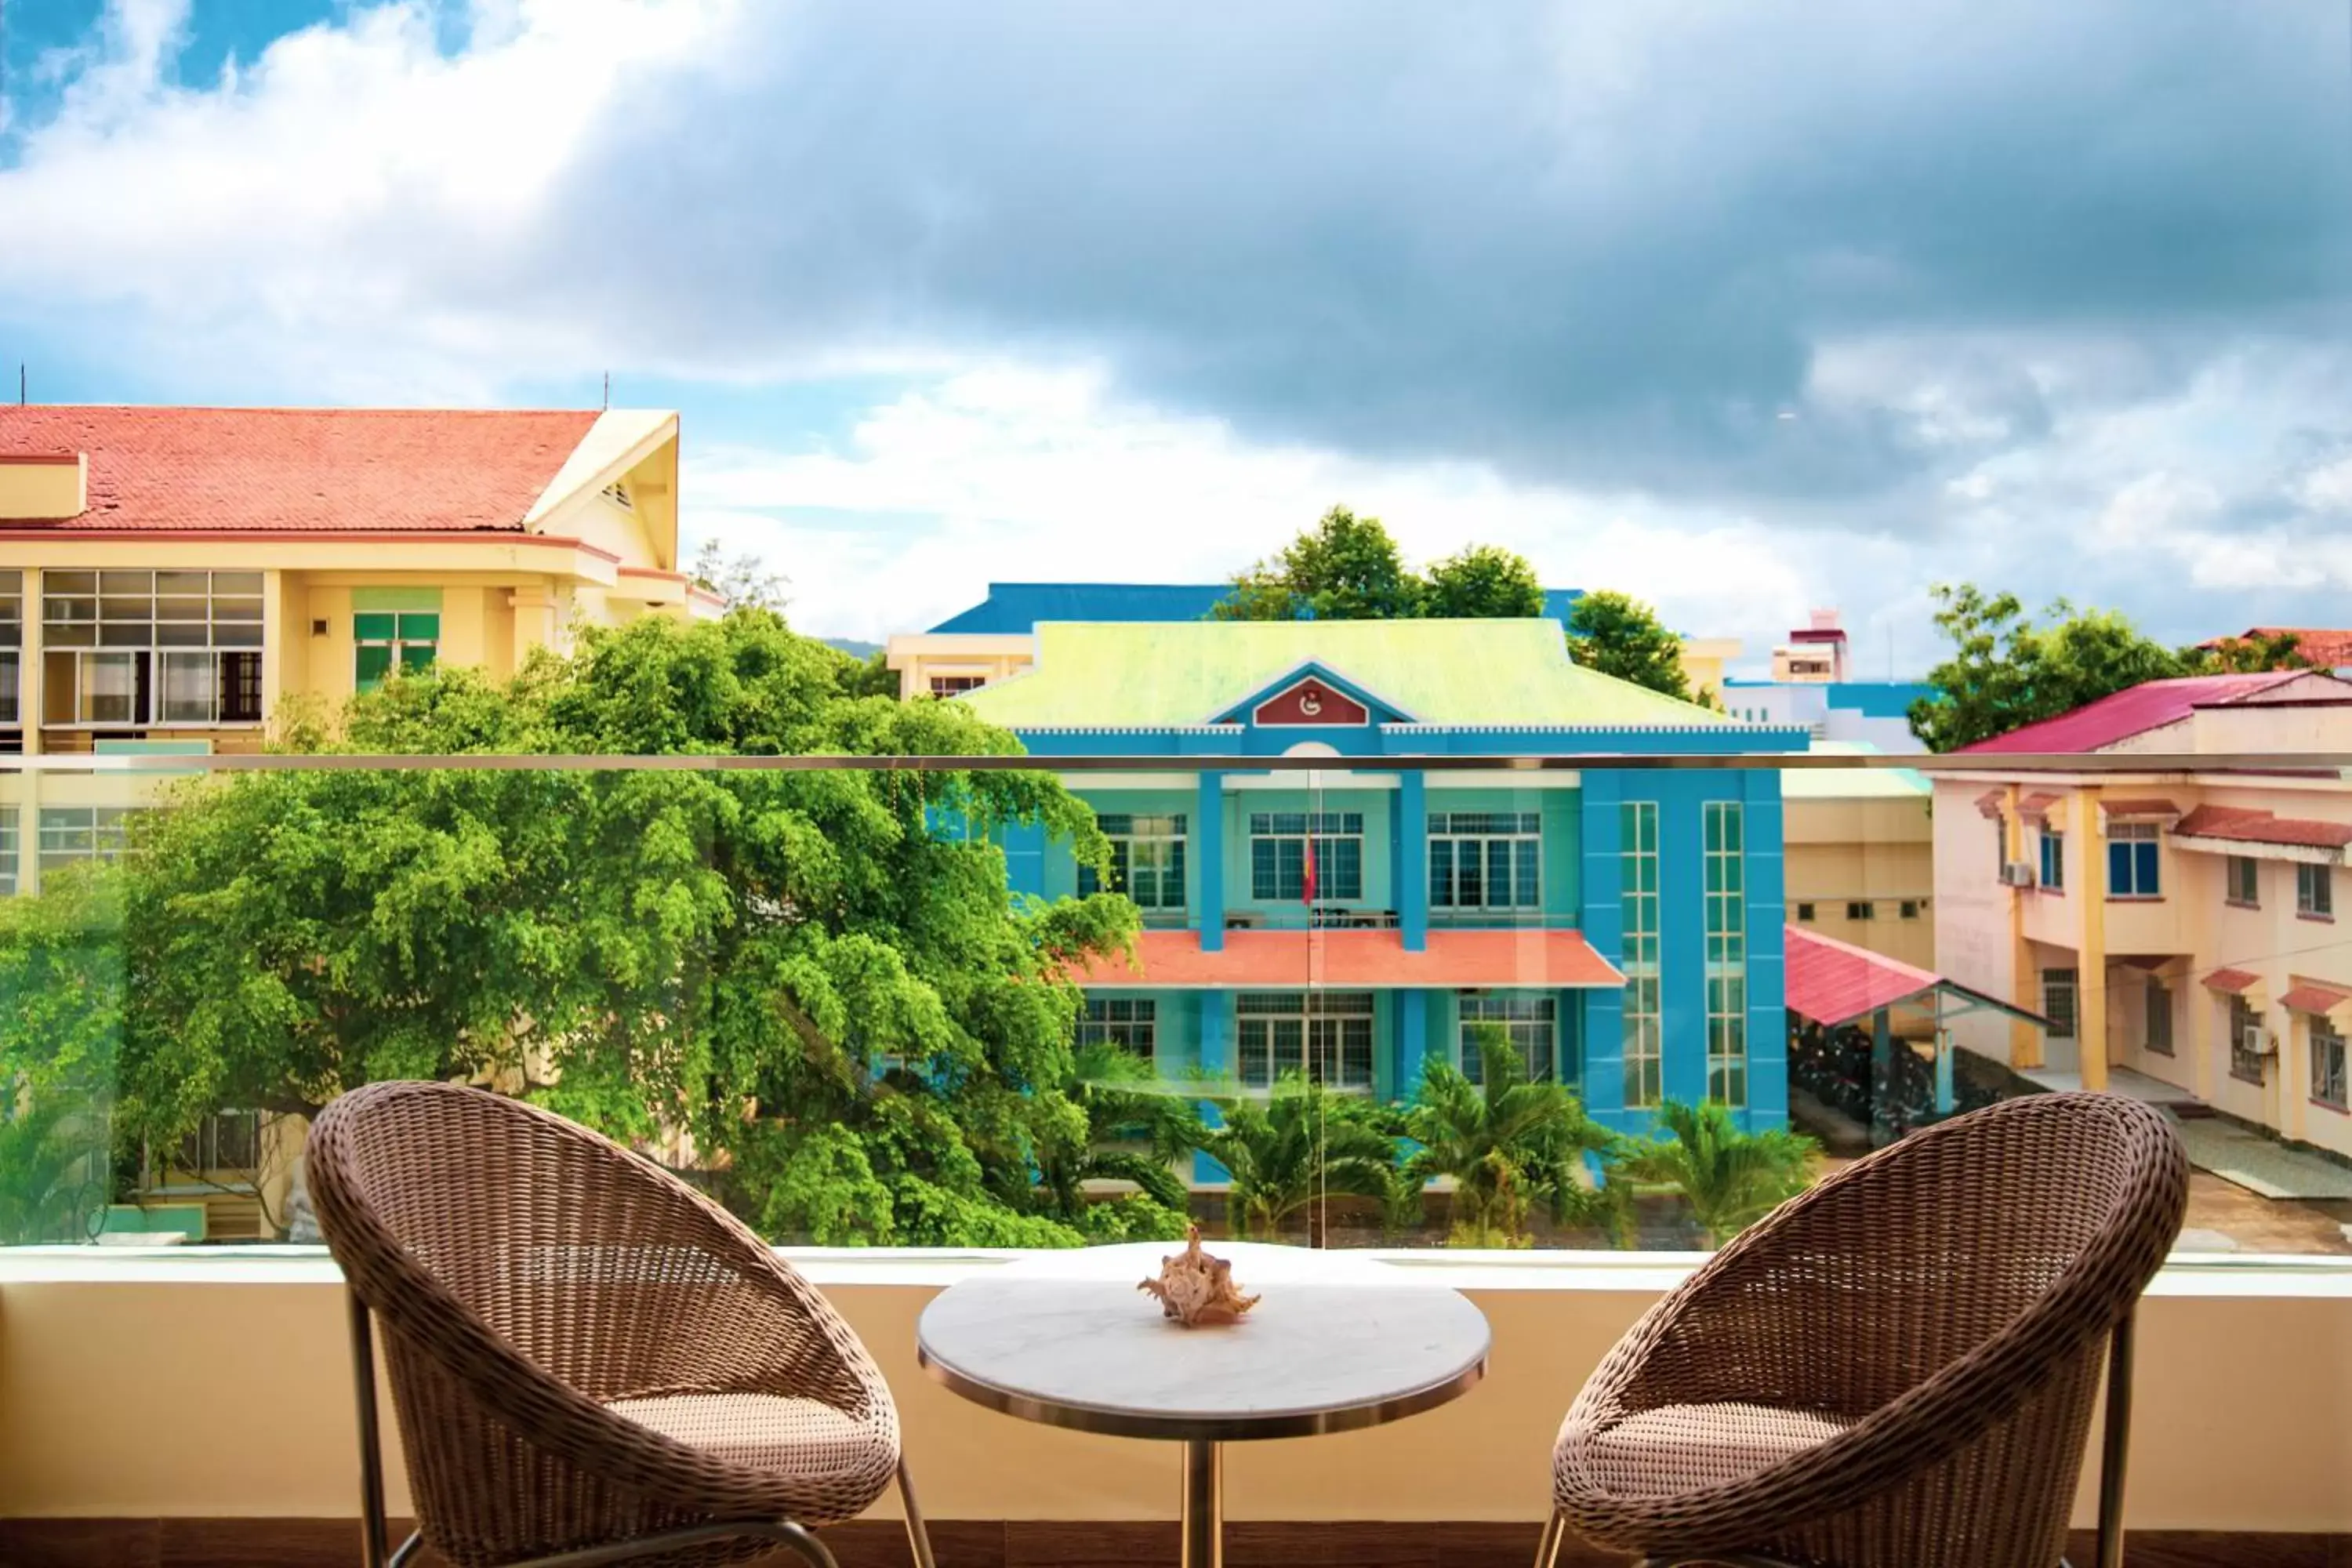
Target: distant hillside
[(852, 646)]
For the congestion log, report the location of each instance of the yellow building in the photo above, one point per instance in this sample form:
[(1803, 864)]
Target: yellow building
[(1859, 856), (2176, 925), (170, 577)]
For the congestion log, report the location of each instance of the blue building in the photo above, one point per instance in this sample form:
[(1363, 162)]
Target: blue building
[(1623, 924), (1020, 606)]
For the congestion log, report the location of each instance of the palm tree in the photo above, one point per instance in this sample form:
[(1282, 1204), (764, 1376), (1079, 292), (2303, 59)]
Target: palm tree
[(1133, 1128), (53, 1168), (1289, 1151), (1730, 1178), (1509, 1143)]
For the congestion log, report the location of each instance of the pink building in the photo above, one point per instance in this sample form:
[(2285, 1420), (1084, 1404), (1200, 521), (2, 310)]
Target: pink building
[(2179, 922)]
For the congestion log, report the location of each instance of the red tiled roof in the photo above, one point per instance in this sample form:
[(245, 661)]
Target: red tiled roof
[(2038, 804), (2231, 980), (2249, 826), (2326, 647), (268, 470), (2150, 807), (2310, 998), (2132, 711), (1358, 961)]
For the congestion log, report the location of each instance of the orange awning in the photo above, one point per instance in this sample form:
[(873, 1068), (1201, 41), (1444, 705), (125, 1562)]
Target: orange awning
[(2229, 980), (1357, 961), (2306, 997)]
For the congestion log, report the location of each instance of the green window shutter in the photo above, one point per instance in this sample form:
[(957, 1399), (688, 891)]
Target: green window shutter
[(416, 627), (372, 663), (374, 627), (417, 656)]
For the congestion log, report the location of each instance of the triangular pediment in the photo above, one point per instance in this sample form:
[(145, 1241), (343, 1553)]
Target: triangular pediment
[(1310, 696)]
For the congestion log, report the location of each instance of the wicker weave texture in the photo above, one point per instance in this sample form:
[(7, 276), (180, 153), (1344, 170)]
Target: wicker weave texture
[(1896, 1369), (581, 1347)]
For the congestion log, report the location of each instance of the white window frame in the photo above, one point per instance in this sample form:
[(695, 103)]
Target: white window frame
[(12, 649), (2136, 833), (2327, 1064), (1335, 1040), (2246, 1053), (72, 834), (1326, 828), (1131, 1022), (95, 634), (2059, 980), (2314, 891), (1482, 830), (1726, 888), (10, 845), (1529, 1019), (1643, 1013), (1161, 836)]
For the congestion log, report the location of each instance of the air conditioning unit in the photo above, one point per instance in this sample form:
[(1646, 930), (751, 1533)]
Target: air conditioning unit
[(2259, 1042), (2016, 873)]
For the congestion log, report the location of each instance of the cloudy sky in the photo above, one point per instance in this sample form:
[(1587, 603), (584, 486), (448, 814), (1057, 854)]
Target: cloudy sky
[(1742, 307)]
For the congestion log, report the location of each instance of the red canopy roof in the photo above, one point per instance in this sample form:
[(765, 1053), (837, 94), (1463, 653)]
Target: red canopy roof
[(2132, 711), (1833, 983), (2311, 997), (2246, 826), (1358, 961), (2231, 980)]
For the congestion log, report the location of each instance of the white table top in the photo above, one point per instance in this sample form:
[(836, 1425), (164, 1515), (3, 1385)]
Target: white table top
[(1339, 1342)]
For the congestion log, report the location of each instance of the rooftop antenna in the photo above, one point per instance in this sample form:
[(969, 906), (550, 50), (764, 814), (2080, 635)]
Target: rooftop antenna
[(20, 384), (608, 389)]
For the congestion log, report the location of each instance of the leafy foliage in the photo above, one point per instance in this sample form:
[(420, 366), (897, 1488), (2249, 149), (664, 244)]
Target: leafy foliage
[(1618, 635), (2007, 670), (1730, 1178), (1481, 582), (796, 976), (1509, 1143), (1345, 568), (1286, 1152)]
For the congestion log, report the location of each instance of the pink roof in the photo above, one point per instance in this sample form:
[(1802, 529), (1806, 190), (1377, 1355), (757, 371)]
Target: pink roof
[(1832, 982), (269, 470), (2244, 825), (1358, 961), (2134, 711)]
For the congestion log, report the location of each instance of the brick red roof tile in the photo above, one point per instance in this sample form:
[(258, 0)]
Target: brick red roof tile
[(2132, 711), (2231, 981), (2326, 647), (270, 470), (2038, 804), (2309, 996), (1989, 802), (2248, 826), (1833, 983)]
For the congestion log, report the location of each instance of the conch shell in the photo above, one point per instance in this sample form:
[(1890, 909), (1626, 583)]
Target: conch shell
[(1195, 1287)]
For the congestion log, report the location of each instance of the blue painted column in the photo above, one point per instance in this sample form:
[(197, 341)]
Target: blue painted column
[(1600, 885), (1208, 848), (1681, 936), (1409, 862), (1217, 1061), (1767, 914), (1413, 1040)]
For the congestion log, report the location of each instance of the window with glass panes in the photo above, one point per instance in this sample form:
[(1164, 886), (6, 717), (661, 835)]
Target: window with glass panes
[(2315, 892), (2053, 859), (137, 648), (1481, 860), (1726, 953), (2327, 1085), (8, 847), (1132, 1023), (72, 832), (1327, 1035), (1146, 859), (2245, 1041), (2058, 995), (224, 1140), (2132, 860), (12, 648), (1637, 859), (2159, 1017), (386, 640), (1278, 854), (956, 684), (2245, 886), (1529, 1021)]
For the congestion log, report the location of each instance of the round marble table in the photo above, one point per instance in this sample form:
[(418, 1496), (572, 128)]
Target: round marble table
[(1339, 1342)]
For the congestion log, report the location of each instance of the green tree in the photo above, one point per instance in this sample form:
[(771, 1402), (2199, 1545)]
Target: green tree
[(1481, 582), (2249, 655), (1729, 1178), (1129, 1127), (744, 580), (1345, 568), (1618, 635), (1288, 1151), (794, 974), (1509, 1143)]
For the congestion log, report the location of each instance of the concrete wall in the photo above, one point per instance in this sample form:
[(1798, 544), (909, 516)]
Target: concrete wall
[(173, 1389)]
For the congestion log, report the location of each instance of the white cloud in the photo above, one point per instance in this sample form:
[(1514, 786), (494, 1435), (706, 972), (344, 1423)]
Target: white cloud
[(1021, 473)]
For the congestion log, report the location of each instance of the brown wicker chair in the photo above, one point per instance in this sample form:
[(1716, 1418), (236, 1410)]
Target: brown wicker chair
[(1896, 1369), (592, 1363)]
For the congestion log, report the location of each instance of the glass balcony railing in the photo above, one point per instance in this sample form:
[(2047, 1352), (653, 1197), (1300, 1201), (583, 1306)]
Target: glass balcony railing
[(1592, 1002)]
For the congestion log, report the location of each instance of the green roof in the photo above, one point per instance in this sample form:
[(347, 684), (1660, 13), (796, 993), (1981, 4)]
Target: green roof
[(1162, 674), (1852, 784)]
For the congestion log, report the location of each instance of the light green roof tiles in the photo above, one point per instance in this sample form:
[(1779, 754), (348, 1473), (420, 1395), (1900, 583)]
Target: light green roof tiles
[(1852, 784), (1155, 674)]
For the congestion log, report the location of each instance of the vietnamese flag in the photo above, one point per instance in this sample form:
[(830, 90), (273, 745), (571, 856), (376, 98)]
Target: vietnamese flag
[(1307, 883)]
